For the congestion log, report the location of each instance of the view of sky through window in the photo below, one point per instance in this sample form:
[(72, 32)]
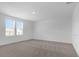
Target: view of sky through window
[(13, 26)]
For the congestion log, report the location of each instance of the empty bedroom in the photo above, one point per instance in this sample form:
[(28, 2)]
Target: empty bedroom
[(39, 29)]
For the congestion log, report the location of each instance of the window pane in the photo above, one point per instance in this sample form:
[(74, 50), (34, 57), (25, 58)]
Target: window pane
[(9, 27), (19, 28)]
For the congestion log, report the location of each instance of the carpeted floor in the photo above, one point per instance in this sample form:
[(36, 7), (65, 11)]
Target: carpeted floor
[(37, 48)]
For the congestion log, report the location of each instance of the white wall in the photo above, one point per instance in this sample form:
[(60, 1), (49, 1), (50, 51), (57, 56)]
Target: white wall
[(28, 30), (56, 29), (75, 29)]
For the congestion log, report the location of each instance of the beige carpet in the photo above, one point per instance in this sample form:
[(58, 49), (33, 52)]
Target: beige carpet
[(37, 48)]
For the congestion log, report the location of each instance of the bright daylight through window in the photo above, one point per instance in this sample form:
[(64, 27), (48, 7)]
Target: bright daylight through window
[(13, 28)]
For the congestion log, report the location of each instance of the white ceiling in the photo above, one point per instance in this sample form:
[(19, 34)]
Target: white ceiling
[(37, 10)]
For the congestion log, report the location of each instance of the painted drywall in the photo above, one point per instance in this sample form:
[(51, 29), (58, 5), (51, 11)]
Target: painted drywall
[(56, 29), (27, 31), (41, 10), (75, 28)]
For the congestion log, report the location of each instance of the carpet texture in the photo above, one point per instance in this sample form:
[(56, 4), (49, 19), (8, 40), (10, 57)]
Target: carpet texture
[(37, 48)]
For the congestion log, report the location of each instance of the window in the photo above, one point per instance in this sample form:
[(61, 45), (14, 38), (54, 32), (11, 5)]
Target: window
[(13, 27), (19, 28), (10, 27)]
